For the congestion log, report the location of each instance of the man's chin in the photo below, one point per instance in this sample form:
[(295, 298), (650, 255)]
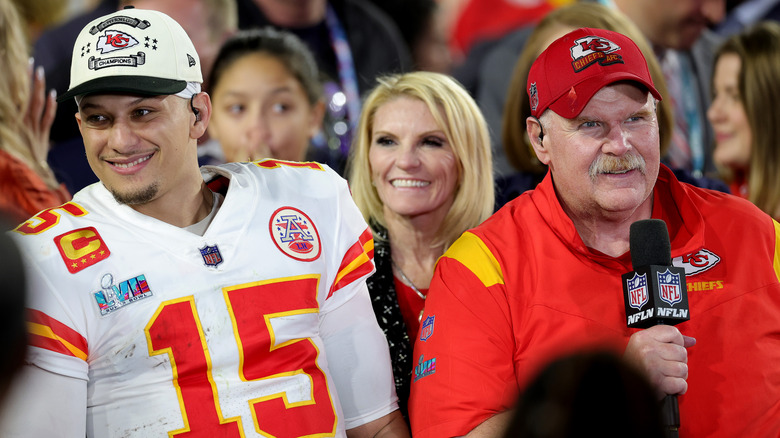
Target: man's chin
[(136, 197), (625, 199)]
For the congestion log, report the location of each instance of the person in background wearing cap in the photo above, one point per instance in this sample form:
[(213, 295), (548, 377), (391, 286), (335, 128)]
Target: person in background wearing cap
[(167, 299), (542, 277)]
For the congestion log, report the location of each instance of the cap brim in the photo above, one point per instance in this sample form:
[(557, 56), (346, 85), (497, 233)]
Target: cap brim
[(584, 91), (143, 85)]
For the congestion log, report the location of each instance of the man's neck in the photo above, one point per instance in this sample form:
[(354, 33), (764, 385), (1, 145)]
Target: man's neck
[(609, 232), (181, 209)]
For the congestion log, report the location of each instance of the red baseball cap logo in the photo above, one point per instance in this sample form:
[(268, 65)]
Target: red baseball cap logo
[(592, 44)]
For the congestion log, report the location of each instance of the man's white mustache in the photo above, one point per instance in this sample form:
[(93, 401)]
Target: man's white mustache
[(613, 164)]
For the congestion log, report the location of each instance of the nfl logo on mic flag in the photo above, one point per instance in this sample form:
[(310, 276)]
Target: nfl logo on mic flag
[(648, 302), (669, 287), (637, 291)]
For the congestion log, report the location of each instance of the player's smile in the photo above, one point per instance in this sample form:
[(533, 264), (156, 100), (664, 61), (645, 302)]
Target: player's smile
[(127, 165)]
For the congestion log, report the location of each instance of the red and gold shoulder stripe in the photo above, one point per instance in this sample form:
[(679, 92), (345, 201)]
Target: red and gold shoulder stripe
[(50, 334), (357, 262)]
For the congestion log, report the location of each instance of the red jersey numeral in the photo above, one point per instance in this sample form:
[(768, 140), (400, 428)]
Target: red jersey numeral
[(48, 218), (176, 330), (264, 357)]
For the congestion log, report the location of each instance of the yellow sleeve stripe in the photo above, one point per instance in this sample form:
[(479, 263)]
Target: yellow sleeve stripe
[(55, 341), (360, 260), (472, 252), (357, 262)]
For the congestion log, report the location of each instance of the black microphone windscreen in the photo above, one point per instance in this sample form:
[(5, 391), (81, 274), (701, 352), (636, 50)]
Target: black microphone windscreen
[(649, 243)]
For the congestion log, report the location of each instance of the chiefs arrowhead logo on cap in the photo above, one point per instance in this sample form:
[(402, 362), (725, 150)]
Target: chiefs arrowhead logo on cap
[(115, 40), (590, 49)]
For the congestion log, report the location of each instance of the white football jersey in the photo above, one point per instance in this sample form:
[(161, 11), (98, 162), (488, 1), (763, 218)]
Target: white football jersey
[(216, 335)]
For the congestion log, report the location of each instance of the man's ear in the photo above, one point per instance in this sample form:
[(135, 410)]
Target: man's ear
[(201, 114), (78, 120), (533, 127)]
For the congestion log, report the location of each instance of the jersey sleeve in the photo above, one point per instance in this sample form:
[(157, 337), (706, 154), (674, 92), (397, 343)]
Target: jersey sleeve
[(56, 342), (357, 351), (463, 355), (44, 404), (354, 245), (359, 361)]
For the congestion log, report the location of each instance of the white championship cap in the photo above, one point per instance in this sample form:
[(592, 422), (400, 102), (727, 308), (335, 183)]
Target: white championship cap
[(133, 51)]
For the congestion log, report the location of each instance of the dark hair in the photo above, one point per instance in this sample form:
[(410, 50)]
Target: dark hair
[(588, 391), (410, 16), (12, 307), (283, 46)]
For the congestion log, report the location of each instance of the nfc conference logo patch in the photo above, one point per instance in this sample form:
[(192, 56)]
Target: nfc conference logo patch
[(294, 234)]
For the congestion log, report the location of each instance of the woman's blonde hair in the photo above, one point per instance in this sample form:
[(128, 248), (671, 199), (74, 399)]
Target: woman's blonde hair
[(759, 50), (518, 108), (16, 137), (459, 117)]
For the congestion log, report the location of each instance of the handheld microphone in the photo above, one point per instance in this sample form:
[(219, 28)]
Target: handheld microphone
[(655, 293)]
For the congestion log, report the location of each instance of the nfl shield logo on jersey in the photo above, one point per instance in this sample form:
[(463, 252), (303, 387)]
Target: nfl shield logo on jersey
[(211, 255), (427, 328), (637, 291), (669, 287)]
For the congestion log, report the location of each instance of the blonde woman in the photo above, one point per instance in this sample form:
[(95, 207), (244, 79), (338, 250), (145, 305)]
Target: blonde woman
[(420, 172), (27, 184)]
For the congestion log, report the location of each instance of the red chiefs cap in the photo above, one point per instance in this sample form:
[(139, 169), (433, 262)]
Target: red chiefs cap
[(577, 65)]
